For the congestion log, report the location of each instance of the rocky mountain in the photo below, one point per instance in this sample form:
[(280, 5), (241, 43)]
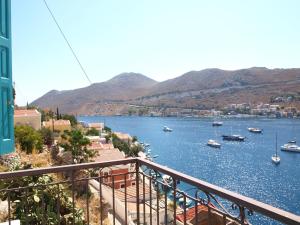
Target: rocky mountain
[(203, 89)]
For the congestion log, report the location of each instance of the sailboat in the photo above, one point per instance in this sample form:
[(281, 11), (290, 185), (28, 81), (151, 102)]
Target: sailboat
[(213, 143), (275, 158)]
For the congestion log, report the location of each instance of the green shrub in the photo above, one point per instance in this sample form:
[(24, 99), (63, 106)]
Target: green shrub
[(28, 139)]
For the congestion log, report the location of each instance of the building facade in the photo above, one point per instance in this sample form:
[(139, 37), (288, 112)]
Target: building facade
[(6, 90), (58, 125), (28, 117)]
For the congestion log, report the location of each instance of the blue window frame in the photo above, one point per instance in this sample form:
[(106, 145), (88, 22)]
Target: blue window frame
[(6, 95)]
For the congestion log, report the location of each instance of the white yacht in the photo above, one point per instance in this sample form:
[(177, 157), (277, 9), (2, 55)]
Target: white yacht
[(213, 143), (290, 147), (167, 129)]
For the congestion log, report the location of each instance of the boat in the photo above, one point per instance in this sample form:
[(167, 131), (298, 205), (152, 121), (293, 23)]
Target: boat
[(290, 147), (234, 137), (213, 143), (167, 180), (275, 158), (167, 129), (217, 123), (188, 202), (255, 130)]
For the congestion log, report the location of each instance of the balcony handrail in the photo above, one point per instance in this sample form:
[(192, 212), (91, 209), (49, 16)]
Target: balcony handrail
[(65, 168), (248, 203)]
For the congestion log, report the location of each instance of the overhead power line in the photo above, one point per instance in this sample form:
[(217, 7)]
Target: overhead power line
[(68, 43)]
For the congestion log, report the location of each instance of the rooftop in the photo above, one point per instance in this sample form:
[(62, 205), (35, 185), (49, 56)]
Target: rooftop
[(109, 155), (26, 112)]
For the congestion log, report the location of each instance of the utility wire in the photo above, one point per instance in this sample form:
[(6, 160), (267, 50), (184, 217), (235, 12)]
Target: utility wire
[(68, 43)]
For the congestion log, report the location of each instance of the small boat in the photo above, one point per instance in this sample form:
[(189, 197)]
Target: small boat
[(213, 143), (234, 137), (290, 147), (255, 130), (146, 145), (167, 129), (217, 123), (167, 180), (275, 158), (188, 202)]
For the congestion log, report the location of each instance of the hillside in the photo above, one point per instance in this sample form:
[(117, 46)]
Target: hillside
[(203, 89), (120, 88)]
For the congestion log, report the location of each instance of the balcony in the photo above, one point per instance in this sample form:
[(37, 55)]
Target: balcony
[(130, 191)]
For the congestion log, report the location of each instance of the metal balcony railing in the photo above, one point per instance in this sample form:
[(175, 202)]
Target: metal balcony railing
[(130, 191)]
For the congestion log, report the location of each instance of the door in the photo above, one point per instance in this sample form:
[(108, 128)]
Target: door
[(6, 95)]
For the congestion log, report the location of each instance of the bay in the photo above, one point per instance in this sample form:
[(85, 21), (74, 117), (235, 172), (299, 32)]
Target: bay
[(245, 167)]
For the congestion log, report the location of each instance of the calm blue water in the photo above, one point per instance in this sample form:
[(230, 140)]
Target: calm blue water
[(245, 167)]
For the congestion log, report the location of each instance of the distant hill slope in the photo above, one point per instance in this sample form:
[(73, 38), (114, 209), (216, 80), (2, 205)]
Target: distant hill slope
[(197, 89), (122, 87)]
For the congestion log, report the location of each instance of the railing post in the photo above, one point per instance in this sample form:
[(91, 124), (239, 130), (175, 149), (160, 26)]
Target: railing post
[(174, 201), (100, 198), (8, 201), (73, 197), (137, 168), (113, 196), (125, 198), (242, 214)]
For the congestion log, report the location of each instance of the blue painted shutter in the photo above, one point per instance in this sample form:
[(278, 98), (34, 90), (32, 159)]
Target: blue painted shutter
[(6, 97)]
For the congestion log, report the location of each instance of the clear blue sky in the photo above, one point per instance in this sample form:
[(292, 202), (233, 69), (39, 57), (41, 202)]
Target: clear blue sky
[(158, 38)]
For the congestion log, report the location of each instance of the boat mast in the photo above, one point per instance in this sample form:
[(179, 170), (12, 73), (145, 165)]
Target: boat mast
[(276, 144)]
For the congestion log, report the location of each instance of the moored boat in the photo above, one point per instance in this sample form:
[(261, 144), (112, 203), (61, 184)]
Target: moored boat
[(290, 147), (213, 143), (167, 180), (217, 123), (255, 130), (167, 129), (234, 137), (275, 158)]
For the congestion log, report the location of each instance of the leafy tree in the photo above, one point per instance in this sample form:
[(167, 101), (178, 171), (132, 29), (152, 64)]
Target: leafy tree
[(47, 136), (28, 139), (125, 147), (76, 143), (134, 139), (92, 132), (72, 119), (134, 150), (107, 129)]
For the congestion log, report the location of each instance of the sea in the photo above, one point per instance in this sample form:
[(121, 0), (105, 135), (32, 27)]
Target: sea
[(242, 167)]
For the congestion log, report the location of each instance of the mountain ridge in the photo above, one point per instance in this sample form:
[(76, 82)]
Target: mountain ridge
[(195, 89)]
